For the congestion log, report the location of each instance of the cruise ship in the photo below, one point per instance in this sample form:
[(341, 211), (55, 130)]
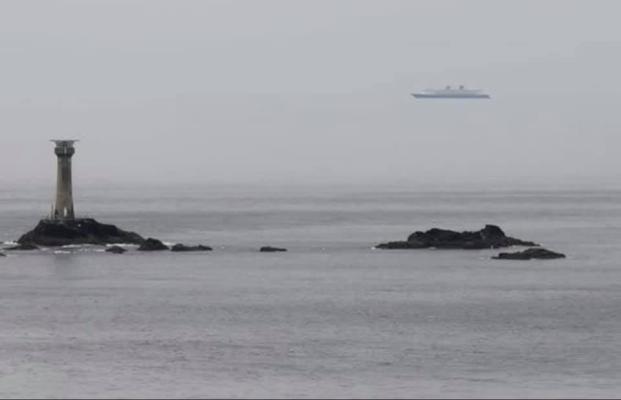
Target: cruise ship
[(451, 93)]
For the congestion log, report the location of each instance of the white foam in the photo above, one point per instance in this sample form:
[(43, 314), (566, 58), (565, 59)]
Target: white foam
[(72, 246)]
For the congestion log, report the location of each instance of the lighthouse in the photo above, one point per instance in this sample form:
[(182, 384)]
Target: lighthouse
[(62, 227), (63, 206)]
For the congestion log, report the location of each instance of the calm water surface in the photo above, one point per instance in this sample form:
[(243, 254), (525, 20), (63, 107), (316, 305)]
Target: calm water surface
[(330, 318)]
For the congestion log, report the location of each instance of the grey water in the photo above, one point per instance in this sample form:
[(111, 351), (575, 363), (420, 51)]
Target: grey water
[(332, 317)]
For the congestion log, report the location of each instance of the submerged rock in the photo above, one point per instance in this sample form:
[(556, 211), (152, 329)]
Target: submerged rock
[(270, 249), (183, 247), (23, 246), (115, 250), (529, 254), (152, 244), (49, 232), (490, 237)]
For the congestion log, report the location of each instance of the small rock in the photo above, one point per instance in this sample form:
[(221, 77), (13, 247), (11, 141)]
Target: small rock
[(400, 245), (23, 246), (183, 247), (270, 249), (529, 254), (115, 250), (152, 244), (2, 255)]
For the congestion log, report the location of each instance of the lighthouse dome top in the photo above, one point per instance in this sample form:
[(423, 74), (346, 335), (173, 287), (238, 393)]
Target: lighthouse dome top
[(64, 142)]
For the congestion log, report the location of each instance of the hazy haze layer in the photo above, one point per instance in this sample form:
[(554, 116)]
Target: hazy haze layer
[(310, 91)]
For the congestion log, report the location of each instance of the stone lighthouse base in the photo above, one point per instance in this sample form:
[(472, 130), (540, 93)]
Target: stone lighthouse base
[(52, 232)]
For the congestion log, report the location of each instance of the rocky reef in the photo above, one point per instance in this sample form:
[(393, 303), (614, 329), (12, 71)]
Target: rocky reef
[(530, 254), (50, 232), (115, 250), (270, 249), (490, 237), (183, 247), (152, 244), (23, 246)]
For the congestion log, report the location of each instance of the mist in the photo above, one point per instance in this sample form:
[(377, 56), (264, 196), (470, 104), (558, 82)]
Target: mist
[(310, 92)]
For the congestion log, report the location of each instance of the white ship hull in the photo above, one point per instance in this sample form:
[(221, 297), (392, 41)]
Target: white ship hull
[(451, 95)]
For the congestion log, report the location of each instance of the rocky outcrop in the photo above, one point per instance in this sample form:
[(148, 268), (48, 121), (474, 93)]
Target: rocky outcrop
[(182, 247), (23, 246), (49, 232), (490, 237), (270, 249), (152, 244), (115, 250), (530, 254)]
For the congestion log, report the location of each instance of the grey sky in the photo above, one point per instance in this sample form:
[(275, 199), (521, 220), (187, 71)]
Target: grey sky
[(310, 91)]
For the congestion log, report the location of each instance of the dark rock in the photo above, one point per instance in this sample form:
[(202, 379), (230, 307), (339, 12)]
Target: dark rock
[(529, 254), (401, 245), (23, 246), (2, 255), (489, 237), (270, 249), (49, 232), (116, 250), (183, 247), (152, 244)]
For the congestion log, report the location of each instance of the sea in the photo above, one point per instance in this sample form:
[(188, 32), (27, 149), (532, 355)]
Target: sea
[(331, 317)]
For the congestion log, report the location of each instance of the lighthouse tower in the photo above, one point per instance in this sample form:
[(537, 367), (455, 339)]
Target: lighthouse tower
[(63, 206)]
